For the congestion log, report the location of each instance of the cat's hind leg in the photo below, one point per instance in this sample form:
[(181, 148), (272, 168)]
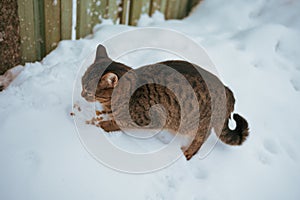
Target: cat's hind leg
[(109, 126), (198, 140)]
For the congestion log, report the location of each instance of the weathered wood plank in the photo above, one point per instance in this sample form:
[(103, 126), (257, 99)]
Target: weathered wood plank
[(27, 31), (182, 12), (99, 11), (89, 13), (44, 23), (191, 5), (52, 24), (66, 19), (195, 2), (125, 12), (82, 28), (39, 27), (137, 8), (163, 6), (172, 9), (154, 6), (113, 10)]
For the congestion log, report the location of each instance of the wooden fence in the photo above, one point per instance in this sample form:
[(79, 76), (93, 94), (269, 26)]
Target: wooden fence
[(43, 23)]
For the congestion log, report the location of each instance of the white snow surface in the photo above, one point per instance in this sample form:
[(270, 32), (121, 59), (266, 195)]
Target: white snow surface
[(255, 46)]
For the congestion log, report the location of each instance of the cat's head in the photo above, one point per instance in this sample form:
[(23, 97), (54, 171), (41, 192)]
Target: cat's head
[(102, 77)]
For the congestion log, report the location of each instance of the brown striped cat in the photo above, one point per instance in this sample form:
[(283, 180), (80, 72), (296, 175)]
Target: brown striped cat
[(212, 108)]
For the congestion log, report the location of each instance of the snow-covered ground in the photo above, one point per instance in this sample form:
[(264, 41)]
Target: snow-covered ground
[(255, 46)]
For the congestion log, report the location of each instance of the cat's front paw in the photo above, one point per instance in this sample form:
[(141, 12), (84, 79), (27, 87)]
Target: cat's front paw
[(109, 126)]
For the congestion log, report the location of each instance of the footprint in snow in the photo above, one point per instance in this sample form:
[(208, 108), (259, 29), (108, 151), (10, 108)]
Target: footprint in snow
[(31, 161), (157, 196), (271, 146), (171, 182), (295, 83), (264, 158), (290, 150), (200, 173)]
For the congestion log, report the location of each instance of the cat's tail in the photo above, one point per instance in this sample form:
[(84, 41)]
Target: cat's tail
[(238, 135)]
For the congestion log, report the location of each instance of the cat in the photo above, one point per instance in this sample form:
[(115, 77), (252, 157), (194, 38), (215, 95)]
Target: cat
[(103, 78)]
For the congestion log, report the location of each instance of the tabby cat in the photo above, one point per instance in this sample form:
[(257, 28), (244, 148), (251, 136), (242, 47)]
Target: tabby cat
[(213, 107)]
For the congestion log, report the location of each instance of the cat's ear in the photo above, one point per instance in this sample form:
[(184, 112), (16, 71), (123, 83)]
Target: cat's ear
[(101, 52), (111, 79)]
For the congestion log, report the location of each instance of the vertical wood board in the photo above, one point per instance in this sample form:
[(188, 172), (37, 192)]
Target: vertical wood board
[(27, 31), (89, 13), (52, 24), (66, 19), (155, 6), (113, 10), (172, 9), (125, 12), (137, 8), (182, 12)]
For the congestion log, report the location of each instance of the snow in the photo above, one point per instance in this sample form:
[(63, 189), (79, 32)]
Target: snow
[(54, 2), (254, 47), (74, 18), (98, 3), (145, 20)]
